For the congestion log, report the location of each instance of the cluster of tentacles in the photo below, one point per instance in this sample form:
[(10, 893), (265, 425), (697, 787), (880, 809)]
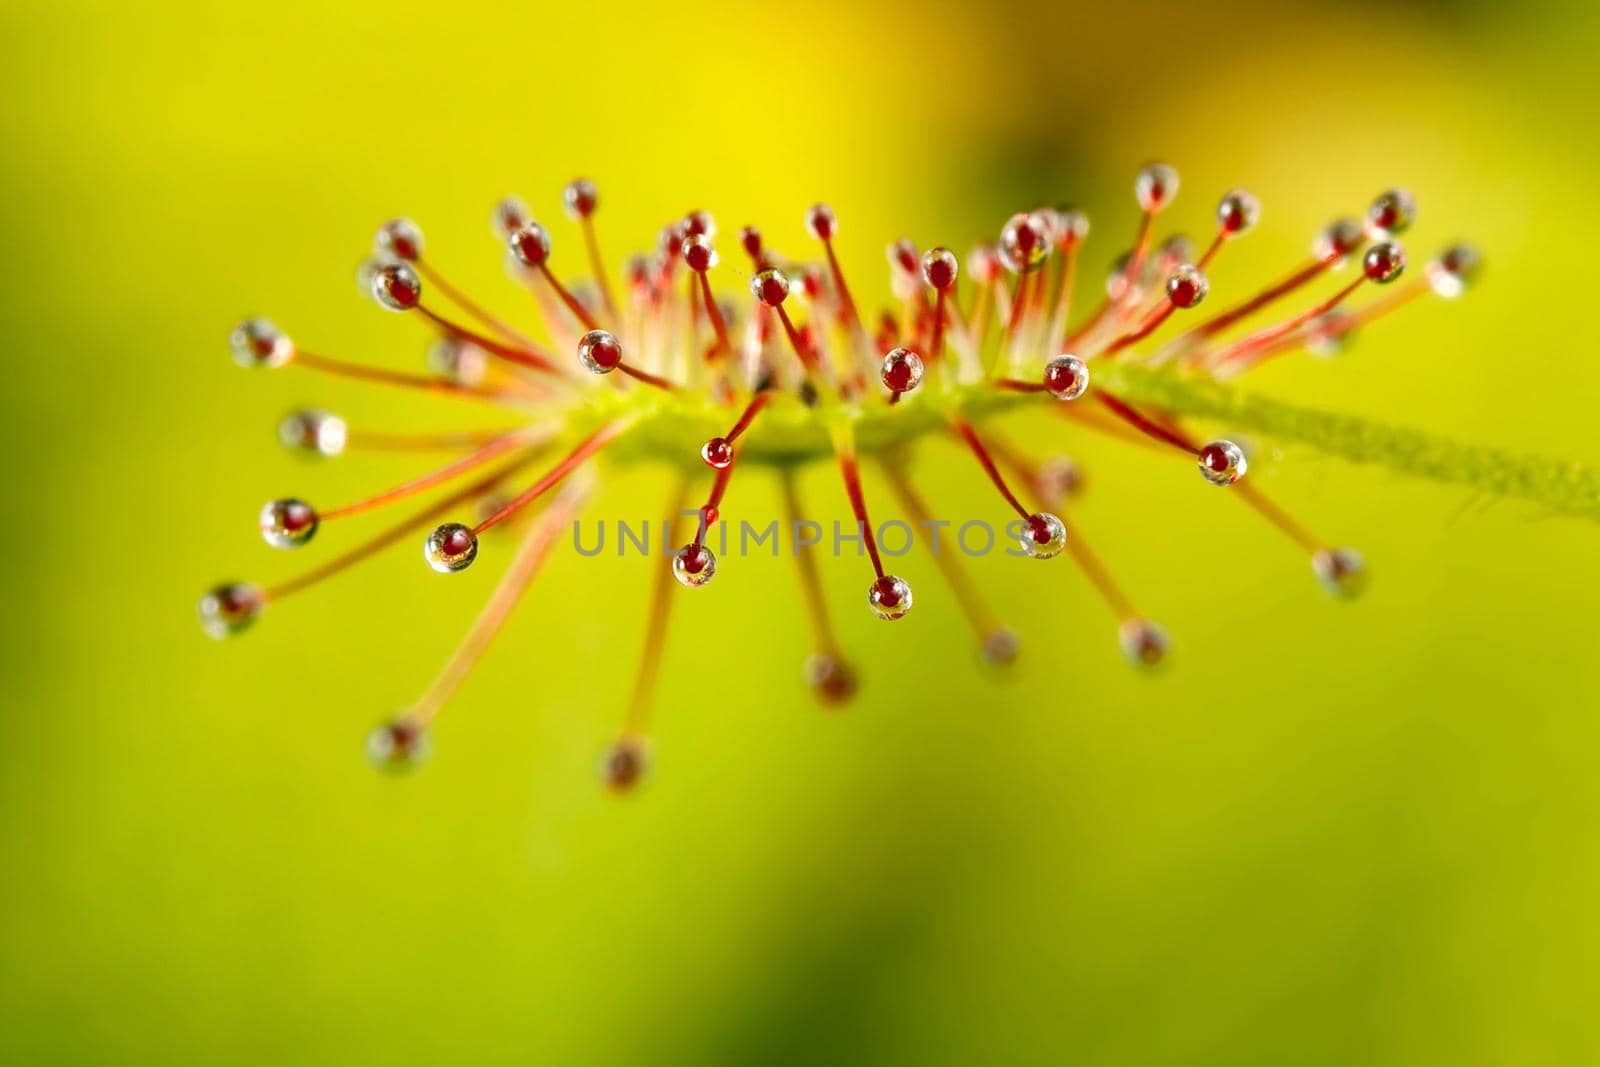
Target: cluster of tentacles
[(791, 372)]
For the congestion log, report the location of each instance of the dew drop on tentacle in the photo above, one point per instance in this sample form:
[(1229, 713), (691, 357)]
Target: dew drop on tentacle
[(717, 453), (451, 547), (1144, 643), (457, 360), (939, 268), (1043, 535), (510, 214), (399, 239), (398, 746), (902, 370), (258, 343), (288, 523), (1453, 270), (1342, 571), (600, 352), (770, 286), (699, 224), (750, 241), (1074, 225), (694, 566), (821, 222), (1237, 212), (1066, 377), (530, 243), (1384, 262), (396, 286), (580, 198), (313, 432), (1222, 462), (230, 608), (1337, 239), (1155, 186), (669, 240), (889, 597), (831, 678), (1187, 286), (625, 764), (1024, 245), (1391, 213), (904, 262), (698, 253), (1000, 646)]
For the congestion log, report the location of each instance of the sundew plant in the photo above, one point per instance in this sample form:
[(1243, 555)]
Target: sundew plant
[(793, 368)]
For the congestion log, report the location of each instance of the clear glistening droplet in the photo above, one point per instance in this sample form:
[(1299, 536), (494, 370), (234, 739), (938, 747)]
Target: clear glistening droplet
[(288, 523), (399, 239), (1187, 286), (889, 597), (939, 268), (508, 216), (1384, 262), (770, 286), (1391, 213), (902, 370), (698, 253), (1066, 377), (230, 608), (1453, 270), (694, 566), (258, 343), (530, 243), (600, 352), (1222, 462), (1155, 186), (1237, 212), (717, 453), (396, 286), (580, 198), (1024, 245), (821, 222), (1044, 535), (451, 547)]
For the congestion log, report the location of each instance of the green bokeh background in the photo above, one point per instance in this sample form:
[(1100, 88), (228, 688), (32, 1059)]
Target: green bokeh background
[(1332, 833)]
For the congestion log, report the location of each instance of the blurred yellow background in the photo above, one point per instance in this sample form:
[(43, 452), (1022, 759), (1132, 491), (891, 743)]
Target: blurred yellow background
[(1330, 834)]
